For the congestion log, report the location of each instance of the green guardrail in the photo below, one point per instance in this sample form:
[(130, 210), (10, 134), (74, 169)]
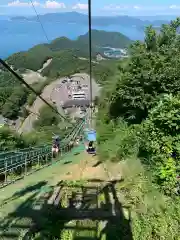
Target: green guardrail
[(13, 159), (8, 154)]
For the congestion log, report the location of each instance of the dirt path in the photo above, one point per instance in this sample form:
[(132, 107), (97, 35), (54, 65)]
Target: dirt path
[(72, 167), (85, 59), (86, 169), (26, 197), (33, 77), (45, 65), (45, 177)]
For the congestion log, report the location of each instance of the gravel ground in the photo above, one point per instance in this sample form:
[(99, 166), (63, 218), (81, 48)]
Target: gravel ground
[(46, 94), (56, 92)]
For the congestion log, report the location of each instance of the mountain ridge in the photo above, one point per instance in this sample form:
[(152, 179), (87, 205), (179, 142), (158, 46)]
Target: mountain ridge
[(75, 17), (77, 48)]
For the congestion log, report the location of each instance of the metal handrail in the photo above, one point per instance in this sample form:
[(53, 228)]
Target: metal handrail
[(31, 152)]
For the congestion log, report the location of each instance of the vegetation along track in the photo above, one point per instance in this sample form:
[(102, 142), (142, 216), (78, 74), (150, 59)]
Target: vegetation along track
[(17, 164)]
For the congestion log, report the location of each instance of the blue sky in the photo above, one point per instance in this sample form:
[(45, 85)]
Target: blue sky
[(99, 7)]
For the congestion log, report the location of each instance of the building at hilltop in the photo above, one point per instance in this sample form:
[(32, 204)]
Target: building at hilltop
[(78, 95), (76, 103)]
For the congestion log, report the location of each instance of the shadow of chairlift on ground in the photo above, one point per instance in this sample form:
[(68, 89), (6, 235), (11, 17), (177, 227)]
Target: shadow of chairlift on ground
[(65, 207), (25, 191)]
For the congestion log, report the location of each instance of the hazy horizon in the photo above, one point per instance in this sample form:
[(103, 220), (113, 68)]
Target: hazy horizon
[(99, 8), (96, 15)]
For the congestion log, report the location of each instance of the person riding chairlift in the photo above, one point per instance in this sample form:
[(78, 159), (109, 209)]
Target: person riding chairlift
[(91, 146), (55, 145)]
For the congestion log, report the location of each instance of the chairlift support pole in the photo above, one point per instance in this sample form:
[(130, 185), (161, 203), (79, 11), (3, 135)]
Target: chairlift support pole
[(90, 61)]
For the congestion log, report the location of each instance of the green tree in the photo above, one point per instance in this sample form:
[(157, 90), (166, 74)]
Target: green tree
[(32, 59), (153, 69), (161, 141), (9, 140), (12, 106), (31, 98), (138, 122), (47, 117)]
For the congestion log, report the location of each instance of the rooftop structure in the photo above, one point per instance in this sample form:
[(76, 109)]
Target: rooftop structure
[(76, 103), (78, 95), (74, 94)]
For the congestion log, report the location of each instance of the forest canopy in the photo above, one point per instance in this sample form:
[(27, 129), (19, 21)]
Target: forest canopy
[(139, 119)]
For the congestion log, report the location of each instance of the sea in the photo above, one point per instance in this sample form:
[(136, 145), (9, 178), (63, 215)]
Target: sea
[(18, 36)]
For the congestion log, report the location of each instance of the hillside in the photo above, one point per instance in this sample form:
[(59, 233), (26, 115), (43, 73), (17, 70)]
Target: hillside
[(138, 126), (66, 58), (32, 59), (106, 39), (79, 48)]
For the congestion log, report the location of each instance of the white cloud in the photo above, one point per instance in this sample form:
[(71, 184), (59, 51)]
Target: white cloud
[(80, 6), (174, 7), (35, 3), (137, 7), (18, 4), (48, 4), (115, 7), (54, 4)]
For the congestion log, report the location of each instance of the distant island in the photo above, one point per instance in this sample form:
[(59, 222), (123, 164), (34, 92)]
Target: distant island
[(69, 24), (79, 18)]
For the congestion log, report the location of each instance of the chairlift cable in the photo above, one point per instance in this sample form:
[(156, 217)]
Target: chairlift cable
[(90, 59), (90, 50), (29, 87), (38, 115), (38, 18), (43, 29)]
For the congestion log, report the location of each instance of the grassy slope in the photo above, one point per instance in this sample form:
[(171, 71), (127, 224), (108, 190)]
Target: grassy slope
[(27, 197), (50, 174)]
